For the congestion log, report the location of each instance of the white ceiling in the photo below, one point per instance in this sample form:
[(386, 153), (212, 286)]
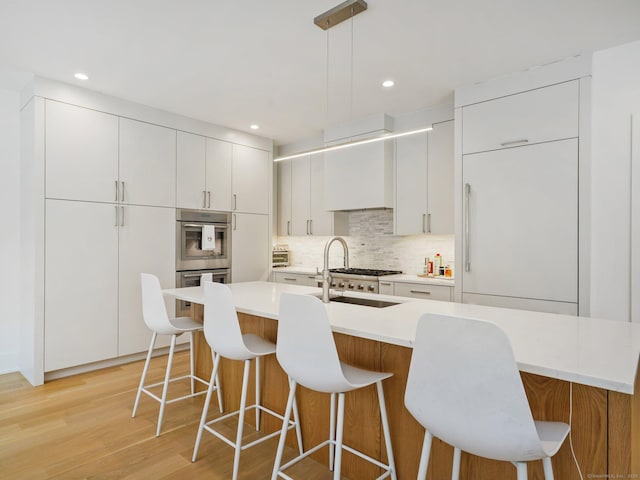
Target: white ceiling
[(234, 62)]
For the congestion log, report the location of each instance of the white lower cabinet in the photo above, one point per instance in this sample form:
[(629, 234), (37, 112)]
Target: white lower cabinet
[(146, 244), (304, 279), (94, 254), (422, 291), (81, 283), (249, 247)]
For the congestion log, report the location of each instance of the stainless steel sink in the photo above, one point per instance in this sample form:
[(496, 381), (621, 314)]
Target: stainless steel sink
[(366, 302)]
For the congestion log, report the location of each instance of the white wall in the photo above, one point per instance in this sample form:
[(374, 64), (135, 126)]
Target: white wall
[(616, 97), (10, 231)]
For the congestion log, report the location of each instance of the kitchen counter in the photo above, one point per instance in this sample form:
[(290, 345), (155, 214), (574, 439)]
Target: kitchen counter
[(295, 269), (599, 357), (594, 352), (403, 278)]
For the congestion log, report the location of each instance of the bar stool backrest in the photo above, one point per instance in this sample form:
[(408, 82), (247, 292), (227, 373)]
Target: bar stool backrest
[(465, 388), (154, 311), (306, 349), (221, 327)]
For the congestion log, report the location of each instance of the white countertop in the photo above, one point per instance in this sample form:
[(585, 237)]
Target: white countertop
[(594, 352), (403, 278)]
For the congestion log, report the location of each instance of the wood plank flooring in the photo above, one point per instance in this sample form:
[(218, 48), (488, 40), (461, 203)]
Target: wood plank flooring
[(80, 427)]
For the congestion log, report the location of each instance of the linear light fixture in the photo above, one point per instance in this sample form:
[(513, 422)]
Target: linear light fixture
[(340, 146)]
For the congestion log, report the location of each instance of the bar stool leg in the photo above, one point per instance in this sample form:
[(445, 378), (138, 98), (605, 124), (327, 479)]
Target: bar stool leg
[(283, 433), (296, 419), (455, 472), (243, 404), (165, 388), (385, 429), (332, 431), (522, 470), (205, 409), (192, 363), (339, 427), (424, 456), (548, 469), (257, 393), (144, 373), (217, 379)]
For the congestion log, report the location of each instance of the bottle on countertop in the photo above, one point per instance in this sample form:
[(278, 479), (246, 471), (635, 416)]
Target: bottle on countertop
[(425, 269), (437, 264)]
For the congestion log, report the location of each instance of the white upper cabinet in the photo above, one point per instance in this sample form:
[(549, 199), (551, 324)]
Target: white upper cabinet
[(191, 185), (204, 173), (250, 180), (323, 222), (219, 171), (81, 153), (300, 196), (549, 113), (359, 177), (284, 198), (440, 191), (424, 182), (147, 164)]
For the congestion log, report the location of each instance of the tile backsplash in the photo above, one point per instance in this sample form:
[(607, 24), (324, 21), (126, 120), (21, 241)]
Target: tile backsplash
[(372, 245)]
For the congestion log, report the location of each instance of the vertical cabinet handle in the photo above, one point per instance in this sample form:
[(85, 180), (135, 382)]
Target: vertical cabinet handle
[(428, 223), (116, 207), (209, 196), (122, 200), (467, 194), (311, 227), (424, 228), (117, 193), (204, 199), (288, 227), (235, 221), (122, 216), (235, 202)]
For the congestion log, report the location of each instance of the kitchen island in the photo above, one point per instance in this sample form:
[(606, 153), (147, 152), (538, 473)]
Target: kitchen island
[(592, 361)]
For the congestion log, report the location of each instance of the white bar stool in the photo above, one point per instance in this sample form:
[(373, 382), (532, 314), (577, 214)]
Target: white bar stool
[(307, 353), (222, 331), (154, 313), (464, 387)]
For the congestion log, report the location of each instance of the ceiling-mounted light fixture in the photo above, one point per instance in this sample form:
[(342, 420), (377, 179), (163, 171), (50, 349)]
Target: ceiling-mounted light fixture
[(345, 11)]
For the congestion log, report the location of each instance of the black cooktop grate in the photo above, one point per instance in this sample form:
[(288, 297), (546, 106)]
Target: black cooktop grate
[(364, 271)]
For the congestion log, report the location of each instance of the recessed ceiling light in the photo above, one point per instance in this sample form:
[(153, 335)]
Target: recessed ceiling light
[(81, 76), (254, 127), (388, 83)]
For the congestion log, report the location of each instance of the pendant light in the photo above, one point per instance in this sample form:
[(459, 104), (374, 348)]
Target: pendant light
[(345, 11)]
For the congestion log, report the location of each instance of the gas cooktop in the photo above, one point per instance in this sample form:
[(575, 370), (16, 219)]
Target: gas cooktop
[(364, 271)]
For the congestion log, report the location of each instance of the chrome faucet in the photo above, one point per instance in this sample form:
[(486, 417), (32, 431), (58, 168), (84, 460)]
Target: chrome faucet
[(326, 278)]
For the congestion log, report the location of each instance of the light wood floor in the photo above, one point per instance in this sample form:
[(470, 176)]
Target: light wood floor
[(81, 427)]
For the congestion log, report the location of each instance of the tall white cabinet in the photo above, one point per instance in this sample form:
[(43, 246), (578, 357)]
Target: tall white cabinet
[(518, 180), (250, 247)]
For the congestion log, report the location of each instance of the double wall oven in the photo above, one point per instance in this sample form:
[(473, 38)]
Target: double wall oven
[(203, 245)]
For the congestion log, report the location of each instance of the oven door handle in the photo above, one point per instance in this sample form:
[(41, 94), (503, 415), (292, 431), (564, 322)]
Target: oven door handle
[(217, 225)]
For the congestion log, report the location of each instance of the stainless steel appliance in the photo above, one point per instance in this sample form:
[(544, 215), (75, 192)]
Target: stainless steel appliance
[(190, 254), (358, 279), (280, 256), (191, 278)]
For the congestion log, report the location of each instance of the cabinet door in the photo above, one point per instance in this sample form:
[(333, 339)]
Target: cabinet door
[(250, 247), (219, 174), (81, 152), (411, 185), (523, 222), (300, 196), (284, 198), (250, 177), (147, 164), (541, 115), (385, 288), (81, 283), (322, 221), (190, 175), (147, 244), (440, 179)]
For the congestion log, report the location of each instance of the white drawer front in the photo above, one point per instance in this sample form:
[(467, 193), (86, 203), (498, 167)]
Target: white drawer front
[(425, 292), (295, 279), (540, 115)]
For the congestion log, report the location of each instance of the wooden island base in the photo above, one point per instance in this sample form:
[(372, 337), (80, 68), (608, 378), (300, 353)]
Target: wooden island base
[(605, 424)]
